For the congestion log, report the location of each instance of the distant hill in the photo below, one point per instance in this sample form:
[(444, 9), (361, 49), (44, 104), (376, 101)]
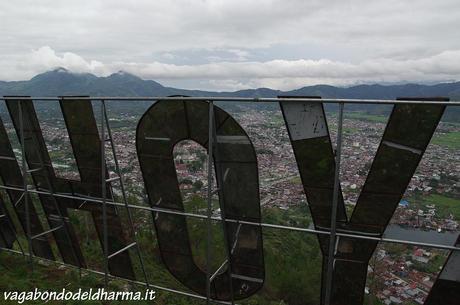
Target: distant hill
[(62, 82)]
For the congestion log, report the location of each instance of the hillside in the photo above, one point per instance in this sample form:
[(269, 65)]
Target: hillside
[(60, 82)]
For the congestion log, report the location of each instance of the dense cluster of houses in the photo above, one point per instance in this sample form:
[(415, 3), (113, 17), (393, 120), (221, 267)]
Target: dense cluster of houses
[(280, 184), (278, 174), (399, 281)]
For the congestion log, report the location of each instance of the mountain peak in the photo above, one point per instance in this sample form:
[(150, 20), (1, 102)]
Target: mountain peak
[(61, 81), (123, 74), (60, 70), (61, 74)]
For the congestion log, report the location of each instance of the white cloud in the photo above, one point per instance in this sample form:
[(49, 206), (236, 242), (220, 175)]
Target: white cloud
[(234, 42), (279, 74), (45, 58)]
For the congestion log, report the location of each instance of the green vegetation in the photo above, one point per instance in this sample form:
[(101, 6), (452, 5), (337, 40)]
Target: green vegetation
[(16, 275), (349, 130), (444, 205), (450, 140), (372, 300), (264, 151), (293, 260), (395, 250), (366, 117), (433, 266), (276, 120), (195, 166), (197, 185), (346, 130), (296, 180)]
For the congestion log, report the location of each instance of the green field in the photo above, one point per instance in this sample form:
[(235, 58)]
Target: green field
[(366, 117), (450, 140), (444, 205), (346, 130)]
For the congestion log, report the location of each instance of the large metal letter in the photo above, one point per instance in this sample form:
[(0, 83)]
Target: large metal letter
[(164, 125), (86, 145), (446, 289), (7, 233), (407, 134), (12, 177), (44, 178)]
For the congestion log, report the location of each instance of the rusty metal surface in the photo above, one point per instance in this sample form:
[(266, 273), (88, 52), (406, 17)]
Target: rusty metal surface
[(164, 125), (401, 149), (44, 178), (86, 145), (11, 175), (7, 232)]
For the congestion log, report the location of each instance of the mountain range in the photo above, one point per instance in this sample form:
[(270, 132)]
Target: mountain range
[(60, 82)]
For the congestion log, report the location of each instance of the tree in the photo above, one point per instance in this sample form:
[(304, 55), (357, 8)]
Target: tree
[(197, 185)]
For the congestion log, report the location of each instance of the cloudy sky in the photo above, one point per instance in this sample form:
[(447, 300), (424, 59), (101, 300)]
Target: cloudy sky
[(233, 44)]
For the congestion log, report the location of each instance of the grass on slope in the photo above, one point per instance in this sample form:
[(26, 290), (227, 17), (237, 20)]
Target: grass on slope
[(292, 259)]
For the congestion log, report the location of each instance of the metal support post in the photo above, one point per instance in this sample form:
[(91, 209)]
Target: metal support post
[(209, 198), (25, 186), (220, 190), (104, 198), (123, 192), (335, 199)]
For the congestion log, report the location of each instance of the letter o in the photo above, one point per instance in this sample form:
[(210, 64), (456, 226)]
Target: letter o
[(168, 122)]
